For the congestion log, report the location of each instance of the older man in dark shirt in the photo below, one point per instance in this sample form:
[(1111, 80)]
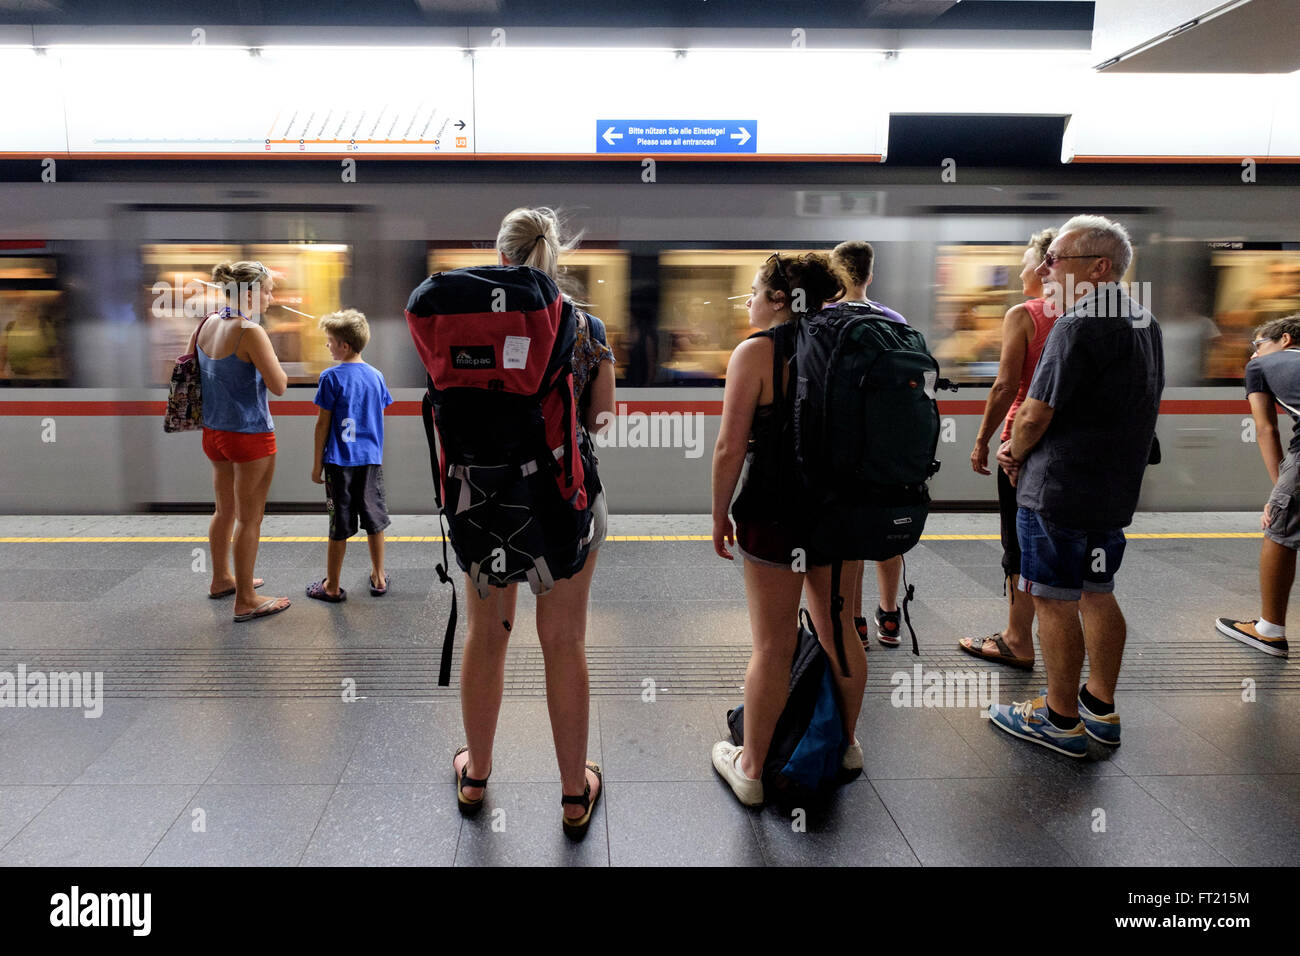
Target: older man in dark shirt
[(1080, 444)]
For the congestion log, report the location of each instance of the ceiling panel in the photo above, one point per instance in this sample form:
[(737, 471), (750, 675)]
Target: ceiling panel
[(1259, 36)]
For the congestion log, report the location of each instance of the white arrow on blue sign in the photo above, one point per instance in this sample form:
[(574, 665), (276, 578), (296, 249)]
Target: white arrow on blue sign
[(676, 136)]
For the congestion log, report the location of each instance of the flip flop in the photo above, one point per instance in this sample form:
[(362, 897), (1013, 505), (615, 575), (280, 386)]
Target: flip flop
[(257, 583), (467, 806), (317, 590), (380, 592), (576, 829), (264, 610), (1004, 655)]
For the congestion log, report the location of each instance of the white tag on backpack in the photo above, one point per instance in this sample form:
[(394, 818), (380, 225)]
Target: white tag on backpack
[(515, 352), (931, 380)]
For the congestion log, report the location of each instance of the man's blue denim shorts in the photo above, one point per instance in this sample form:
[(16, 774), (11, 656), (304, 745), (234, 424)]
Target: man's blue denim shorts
[(1062, 563)]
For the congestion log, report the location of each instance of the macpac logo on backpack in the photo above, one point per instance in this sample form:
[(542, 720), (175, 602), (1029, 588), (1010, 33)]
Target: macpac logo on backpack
[(473, 356), (502, 426)]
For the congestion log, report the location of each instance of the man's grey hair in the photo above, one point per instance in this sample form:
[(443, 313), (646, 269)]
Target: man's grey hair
[(1103, 237)]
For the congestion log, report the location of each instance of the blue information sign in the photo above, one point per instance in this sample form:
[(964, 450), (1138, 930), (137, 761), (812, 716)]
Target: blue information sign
[(676, 136)]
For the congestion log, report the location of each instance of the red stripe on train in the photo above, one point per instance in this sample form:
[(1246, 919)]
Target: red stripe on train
[(1192, 406), (82, 408)]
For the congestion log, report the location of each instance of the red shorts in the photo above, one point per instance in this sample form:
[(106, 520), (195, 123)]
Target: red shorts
[(238, 447)]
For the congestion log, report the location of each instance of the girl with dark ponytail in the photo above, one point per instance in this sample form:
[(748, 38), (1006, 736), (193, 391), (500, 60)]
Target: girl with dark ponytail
[(766, 532)]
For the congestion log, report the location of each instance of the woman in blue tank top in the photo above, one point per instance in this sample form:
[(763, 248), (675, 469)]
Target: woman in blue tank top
[(238, 365)]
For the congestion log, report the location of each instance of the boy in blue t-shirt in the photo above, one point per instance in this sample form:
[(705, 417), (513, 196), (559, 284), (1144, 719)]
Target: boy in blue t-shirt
[(350, 451)]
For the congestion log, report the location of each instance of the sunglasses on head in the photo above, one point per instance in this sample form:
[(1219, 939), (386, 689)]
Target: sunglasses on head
[(776, 257)]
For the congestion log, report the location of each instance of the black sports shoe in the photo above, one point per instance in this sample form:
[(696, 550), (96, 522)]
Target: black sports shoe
[(864, 633), (888, 627)]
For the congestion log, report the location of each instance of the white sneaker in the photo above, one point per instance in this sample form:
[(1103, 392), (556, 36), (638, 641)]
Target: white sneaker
[(852, 759), (726, 760)]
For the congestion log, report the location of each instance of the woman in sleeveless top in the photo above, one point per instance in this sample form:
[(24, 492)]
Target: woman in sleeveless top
[(1024, 331), (531, 237), (238, 365), (766, 533)]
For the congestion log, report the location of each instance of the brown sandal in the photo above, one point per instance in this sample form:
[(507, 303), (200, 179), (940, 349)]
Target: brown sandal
[(576, 828), (467, 806), (1004, 655)]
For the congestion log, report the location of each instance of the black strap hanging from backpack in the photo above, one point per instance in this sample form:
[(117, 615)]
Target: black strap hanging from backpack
[(909, 592), (449, 638)]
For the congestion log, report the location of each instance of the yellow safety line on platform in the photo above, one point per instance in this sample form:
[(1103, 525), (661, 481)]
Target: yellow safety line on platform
[(308, 539)]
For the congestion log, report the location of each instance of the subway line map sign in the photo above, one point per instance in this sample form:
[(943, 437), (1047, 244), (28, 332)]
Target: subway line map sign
[(282, 101)]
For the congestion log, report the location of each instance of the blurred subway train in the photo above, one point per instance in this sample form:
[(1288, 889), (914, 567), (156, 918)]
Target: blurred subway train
[(100, 283)]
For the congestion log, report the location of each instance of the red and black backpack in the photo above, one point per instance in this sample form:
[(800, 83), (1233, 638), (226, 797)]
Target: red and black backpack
[(497, 343)]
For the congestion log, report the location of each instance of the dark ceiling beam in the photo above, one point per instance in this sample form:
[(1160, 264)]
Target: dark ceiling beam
[(905, 13)]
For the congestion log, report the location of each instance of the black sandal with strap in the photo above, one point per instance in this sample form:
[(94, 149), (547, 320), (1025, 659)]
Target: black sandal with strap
[(576, 828), (467, 806)]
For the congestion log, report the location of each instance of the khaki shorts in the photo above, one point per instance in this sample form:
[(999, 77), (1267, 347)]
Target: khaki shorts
[(1284, 505)]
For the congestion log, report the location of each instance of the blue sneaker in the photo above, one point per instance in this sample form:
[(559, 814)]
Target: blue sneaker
[(1028, 721), (1103, 728)]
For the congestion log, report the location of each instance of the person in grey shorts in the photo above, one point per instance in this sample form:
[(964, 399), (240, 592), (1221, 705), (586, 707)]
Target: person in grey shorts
[(349, 452), (1273, 377)]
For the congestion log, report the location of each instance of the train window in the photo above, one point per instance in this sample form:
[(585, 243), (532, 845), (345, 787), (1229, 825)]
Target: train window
[(975, 285), (703, 309), (175, 277), (461, 257), (17, 268), (1253, 284), (596, 278), (309, 283), (32, 322)]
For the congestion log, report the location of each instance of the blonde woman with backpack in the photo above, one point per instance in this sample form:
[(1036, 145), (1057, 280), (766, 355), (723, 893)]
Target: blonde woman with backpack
[(531, 237)]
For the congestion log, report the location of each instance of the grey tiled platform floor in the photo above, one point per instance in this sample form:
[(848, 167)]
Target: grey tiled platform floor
[(230, 744)]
